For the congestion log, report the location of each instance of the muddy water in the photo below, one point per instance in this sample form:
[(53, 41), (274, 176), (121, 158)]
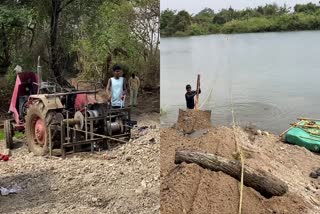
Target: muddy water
[(270, 78)]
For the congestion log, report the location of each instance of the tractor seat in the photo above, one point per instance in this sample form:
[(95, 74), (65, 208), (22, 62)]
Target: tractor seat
[(27, 89), (22, 106)]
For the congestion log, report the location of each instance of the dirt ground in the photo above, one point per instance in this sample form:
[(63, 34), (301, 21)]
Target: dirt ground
[(122, 180), (188, 188)]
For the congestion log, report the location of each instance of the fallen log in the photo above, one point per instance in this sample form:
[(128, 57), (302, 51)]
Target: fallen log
[(266, 184)]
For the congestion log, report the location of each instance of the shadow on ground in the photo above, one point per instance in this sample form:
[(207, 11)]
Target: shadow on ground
[(35, 191)]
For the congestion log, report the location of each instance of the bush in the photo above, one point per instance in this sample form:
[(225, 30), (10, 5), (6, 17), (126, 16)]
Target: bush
[(198, 30), (11, 77), (181, 33), (213, 28)]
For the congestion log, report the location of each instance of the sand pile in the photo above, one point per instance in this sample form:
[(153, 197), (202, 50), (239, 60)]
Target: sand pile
[(190, 120), (188, 188)]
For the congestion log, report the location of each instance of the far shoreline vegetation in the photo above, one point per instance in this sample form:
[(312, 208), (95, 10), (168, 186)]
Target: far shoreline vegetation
[(268, 18)]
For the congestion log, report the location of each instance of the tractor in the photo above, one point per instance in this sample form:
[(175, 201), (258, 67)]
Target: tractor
[(55, 117)]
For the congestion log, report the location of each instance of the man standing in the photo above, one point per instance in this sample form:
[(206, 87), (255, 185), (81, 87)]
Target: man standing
[(190, 96), (116, 88), (134, 84)]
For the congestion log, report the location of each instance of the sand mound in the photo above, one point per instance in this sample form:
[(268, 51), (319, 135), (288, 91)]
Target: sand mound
[(188, 188), (191, 120)]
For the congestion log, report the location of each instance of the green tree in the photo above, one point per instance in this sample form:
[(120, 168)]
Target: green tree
[(123, 32), (166, 22), (270, 17), (204, 16), (305, 8), (16, 28), (182, 21), (80, 36)]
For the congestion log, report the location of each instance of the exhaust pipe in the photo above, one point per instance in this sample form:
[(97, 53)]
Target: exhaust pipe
[(39, 75)]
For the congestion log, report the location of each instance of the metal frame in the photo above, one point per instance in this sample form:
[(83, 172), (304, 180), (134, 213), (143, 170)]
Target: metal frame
[(91, 83), (69, 135), (72, 137)]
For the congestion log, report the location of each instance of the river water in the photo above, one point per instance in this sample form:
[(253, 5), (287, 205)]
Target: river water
[(270, 79)]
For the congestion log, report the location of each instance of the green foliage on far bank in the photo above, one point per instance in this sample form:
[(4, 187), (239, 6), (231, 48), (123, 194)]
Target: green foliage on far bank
[(268, 18)]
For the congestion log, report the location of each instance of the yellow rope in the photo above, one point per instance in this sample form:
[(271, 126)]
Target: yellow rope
[(237, 145), (241, 158), (241, 187)]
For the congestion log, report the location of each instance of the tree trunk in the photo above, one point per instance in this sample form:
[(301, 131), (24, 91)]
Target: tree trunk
[(262, 182), (56, 6)]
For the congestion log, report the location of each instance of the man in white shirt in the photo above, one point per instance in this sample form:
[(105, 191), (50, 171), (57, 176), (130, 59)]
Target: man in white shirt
[(116, 88)]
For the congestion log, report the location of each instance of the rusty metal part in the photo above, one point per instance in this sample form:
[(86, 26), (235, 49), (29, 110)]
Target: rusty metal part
[(79, 116), (39, 74), (71, 122), (92, 113), (104, 136), (75, 140), (49, 103), (40, 131), (83, 100), (71, 92), (95, 126), (57, 118), (8, 131), (115, 127)]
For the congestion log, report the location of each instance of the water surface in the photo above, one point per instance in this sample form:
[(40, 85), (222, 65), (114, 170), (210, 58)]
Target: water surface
[(270, 79)]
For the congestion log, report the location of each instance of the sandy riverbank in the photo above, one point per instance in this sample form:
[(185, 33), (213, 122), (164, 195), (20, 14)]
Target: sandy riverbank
[(188, 188)]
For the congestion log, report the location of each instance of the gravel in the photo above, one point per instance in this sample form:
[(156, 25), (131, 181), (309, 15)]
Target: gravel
[(122, 180)]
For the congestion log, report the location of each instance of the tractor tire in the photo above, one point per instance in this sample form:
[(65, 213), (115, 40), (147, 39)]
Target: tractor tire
[(37, 133), (8, 131)]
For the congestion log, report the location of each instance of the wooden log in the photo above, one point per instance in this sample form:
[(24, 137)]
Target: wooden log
[(304, 118), (266, 184), (197, 95)]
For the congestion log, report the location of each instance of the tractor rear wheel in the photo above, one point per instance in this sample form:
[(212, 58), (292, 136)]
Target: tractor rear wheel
[(8, 134), (38, 121)]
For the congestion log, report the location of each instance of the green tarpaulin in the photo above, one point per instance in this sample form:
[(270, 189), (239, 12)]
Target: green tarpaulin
[(305, 133)]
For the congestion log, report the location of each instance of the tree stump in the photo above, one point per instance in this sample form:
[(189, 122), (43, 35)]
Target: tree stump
[(263, 182)]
